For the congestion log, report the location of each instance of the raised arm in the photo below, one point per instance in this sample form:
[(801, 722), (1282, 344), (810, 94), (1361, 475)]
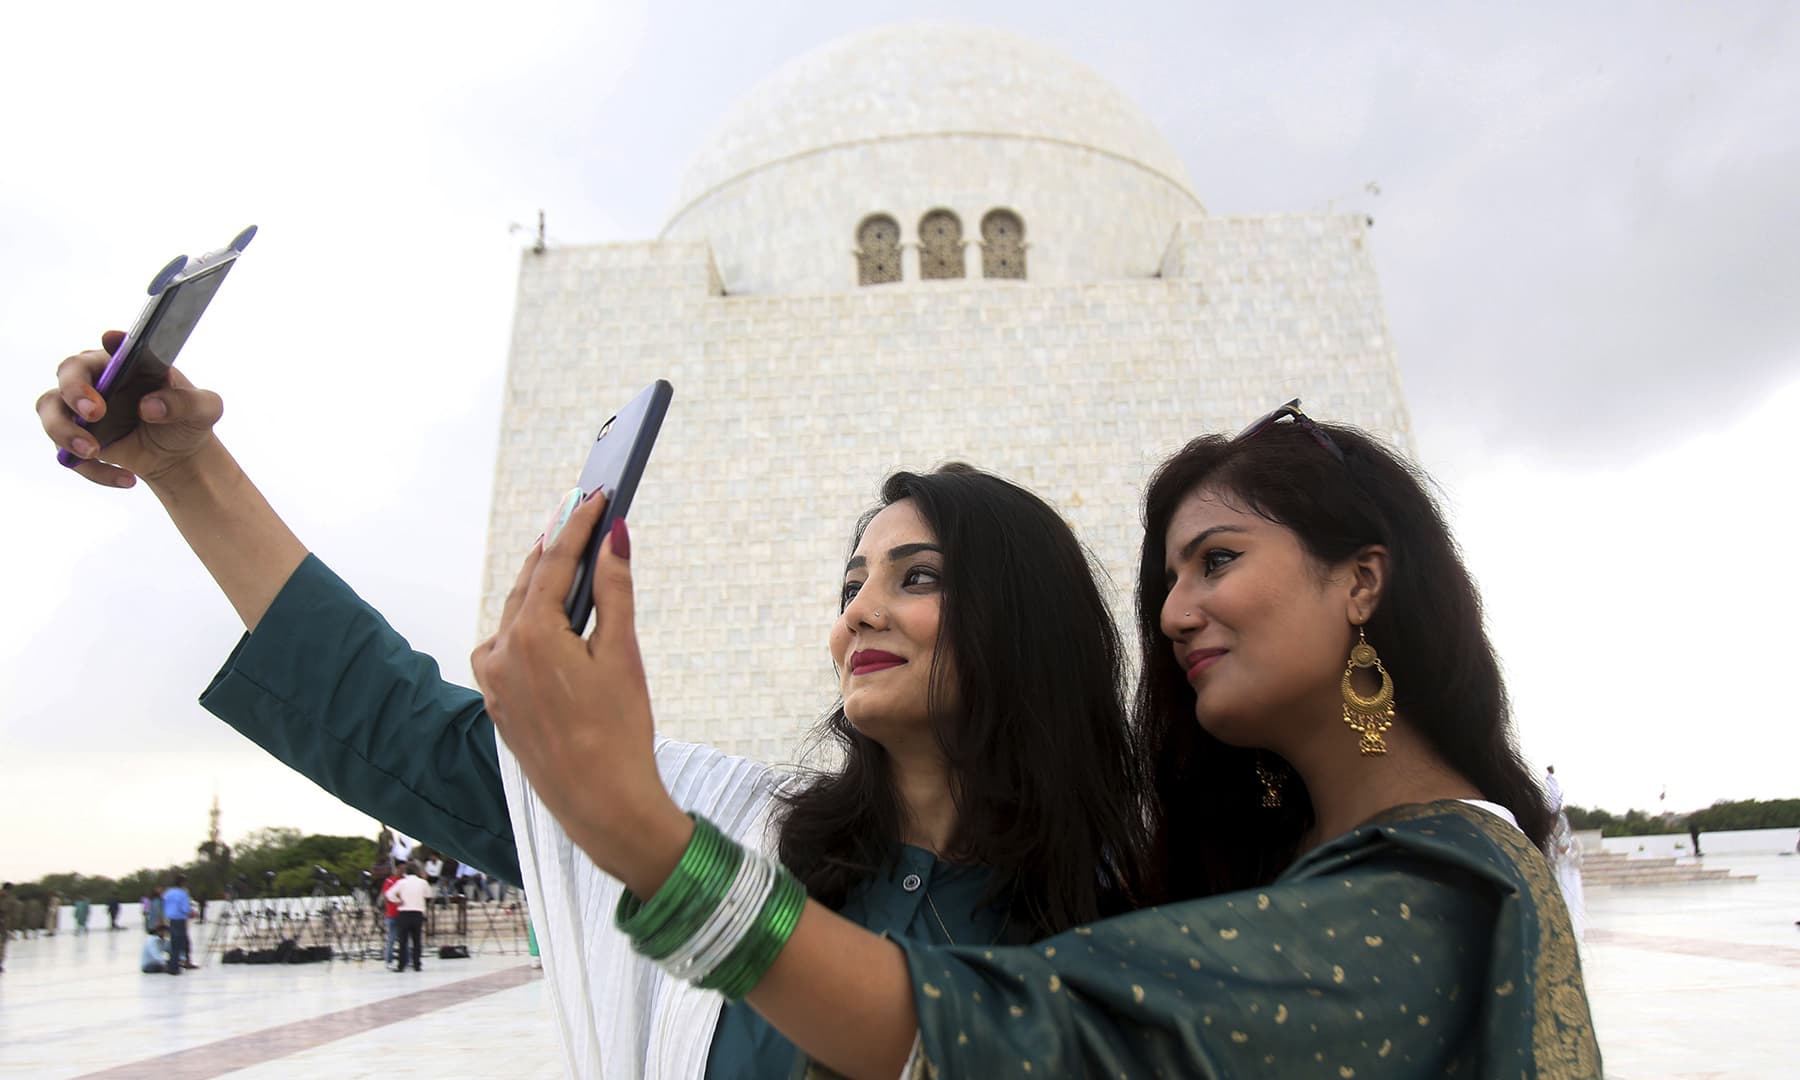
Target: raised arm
[(576, 713), (239, 538), (1375, 961), (325, 685)]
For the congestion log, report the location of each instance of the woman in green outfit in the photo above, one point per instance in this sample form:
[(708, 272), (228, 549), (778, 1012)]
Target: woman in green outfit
[(987, 794), (1350, 840)]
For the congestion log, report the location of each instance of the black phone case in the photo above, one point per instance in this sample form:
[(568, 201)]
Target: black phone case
[(615, 465)]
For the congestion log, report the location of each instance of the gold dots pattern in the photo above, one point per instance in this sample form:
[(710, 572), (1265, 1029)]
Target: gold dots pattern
[(1532, 995), (932, 991)]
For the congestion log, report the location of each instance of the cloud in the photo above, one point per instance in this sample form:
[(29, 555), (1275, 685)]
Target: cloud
[(1586, 237), (1642, 614)]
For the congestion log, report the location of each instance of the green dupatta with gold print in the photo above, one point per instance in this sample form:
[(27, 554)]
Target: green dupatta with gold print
[(1430, 941)]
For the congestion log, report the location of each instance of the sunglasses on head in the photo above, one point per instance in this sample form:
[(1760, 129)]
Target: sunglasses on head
[(1291, 411)]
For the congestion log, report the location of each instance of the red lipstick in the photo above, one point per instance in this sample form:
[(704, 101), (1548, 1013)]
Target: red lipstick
[(867, 661)]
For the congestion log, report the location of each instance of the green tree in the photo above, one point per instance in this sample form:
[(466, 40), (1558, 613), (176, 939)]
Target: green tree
[(1726, 815), (209, 876)]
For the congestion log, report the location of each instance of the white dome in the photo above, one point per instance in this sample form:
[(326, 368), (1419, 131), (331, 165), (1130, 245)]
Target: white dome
[(912, 81), (908, 120)]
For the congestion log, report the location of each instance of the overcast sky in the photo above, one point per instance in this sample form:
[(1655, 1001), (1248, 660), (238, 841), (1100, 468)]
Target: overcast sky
[(1587, 233)]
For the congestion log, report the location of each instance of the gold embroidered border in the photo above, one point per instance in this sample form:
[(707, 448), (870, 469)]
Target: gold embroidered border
[(1562, 1035)]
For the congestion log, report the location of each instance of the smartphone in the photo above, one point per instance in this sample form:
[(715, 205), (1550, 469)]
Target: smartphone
[(614, 466), (140, 365)]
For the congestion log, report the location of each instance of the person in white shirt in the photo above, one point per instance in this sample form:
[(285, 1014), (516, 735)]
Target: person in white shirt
[(466, 877), (410, 893), (1565, 856), (153, 959)]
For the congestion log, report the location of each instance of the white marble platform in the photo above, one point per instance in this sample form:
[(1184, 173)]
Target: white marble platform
[(1687, 982)]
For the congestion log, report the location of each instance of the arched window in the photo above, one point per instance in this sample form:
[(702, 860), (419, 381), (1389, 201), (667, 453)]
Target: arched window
[(940, 245), (1002, 245), (877, 250)]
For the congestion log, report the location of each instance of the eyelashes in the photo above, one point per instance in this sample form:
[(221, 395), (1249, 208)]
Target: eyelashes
[(1216, 560), (1211, 562), (914, 578)]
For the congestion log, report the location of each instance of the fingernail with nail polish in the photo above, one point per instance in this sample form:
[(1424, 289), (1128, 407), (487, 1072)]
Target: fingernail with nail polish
[(86, 408), (621, 540)]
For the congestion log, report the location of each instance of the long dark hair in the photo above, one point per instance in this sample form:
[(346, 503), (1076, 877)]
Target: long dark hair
[(1048, 790), (1211, 833)]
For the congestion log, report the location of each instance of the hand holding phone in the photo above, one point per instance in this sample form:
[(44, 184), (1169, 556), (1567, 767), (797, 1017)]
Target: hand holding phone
[(141, 362), (614, 465)]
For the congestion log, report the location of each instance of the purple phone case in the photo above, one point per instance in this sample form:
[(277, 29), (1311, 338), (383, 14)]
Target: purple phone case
[(179, 269)]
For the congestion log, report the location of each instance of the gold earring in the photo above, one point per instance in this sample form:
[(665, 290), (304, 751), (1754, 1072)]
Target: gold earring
[(1271, 785), (1368, 717)]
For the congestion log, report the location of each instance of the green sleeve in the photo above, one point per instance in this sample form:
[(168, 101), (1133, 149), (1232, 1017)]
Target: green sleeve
[(1371, 970), (329, 688)]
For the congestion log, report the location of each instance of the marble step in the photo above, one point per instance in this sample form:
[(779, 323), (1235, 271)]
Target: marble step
[(1657, 872)]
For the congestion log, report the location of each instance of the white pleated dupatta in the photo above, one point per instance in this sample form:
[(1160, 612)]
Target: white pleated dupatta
[(619, 1017)]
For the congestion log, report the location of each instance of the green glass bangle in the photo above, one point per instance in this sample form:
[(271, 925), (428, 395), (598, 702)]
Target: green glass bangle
[(676, 901), (683, 903), (709, 891), (753, 957), (709, 875)]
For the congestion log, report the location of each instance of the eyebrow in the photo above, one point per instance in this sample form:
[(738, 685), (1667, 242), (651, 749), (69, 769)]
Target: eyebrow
[(1188, 549), (904, 551)]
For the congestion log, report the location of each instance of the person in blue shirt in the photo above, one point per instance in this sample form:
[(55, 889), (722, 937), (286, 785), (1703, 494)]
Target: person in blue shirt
[(154, 959), (176, 908)]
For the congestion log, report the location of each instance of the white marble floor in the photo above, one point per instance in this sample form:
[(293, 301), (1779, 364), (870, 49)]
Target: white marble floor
[(1687, 982)]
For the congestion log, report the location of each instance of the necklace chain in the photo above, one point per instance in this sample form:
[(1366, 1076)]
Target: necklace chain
[(940, 919), (932, 906)]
